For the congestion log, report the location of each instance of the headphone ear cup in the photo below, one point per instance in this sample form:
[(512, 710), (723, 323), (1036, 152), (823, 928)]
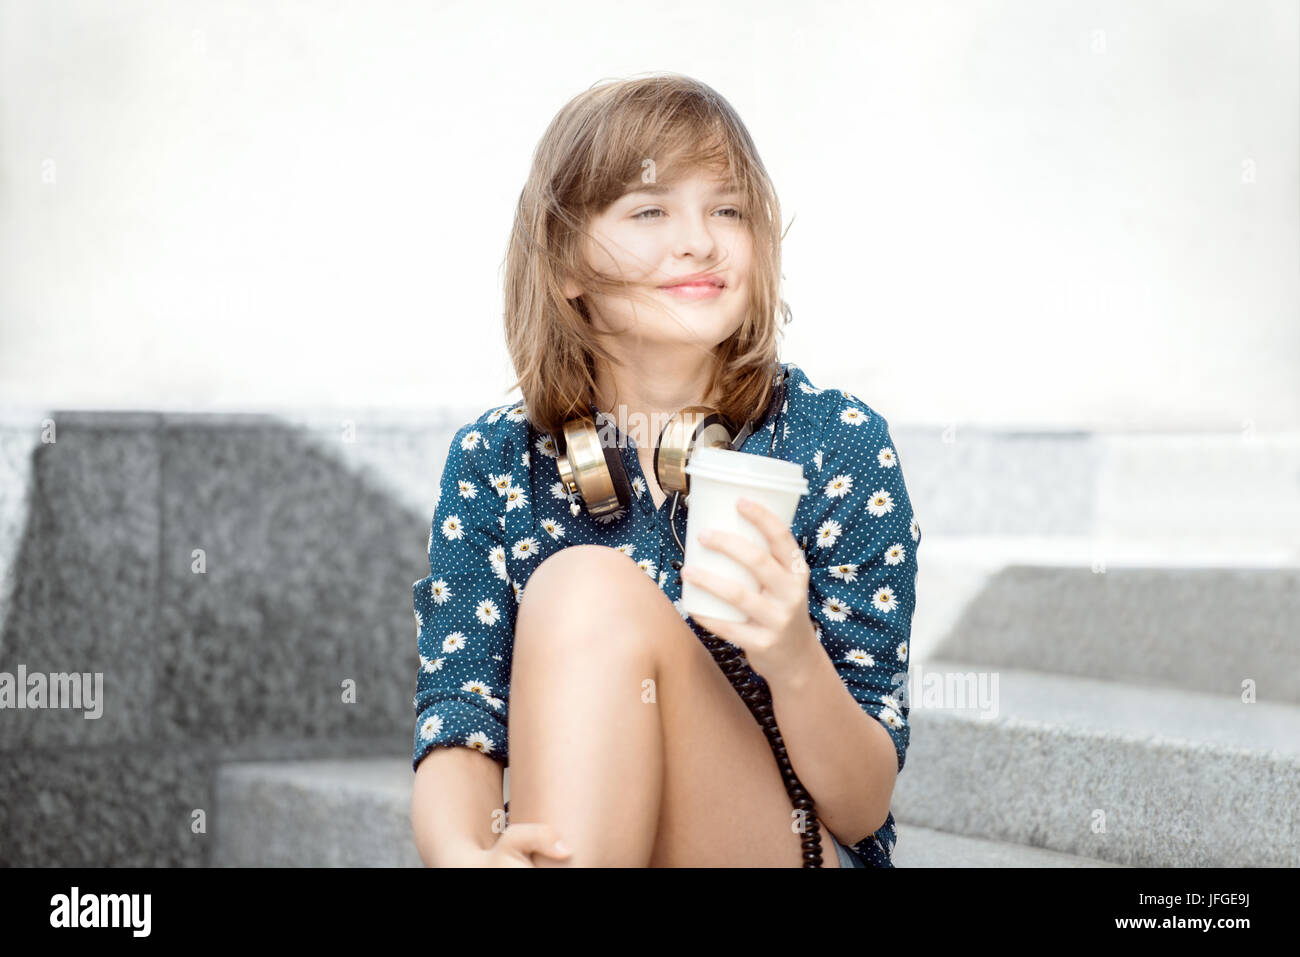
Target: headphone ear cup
[(693, 427), (595, 469), (617, 474)]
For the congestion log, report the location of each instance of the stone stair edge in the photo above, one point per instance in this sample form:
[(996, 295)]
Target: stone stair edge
[(1093, 690)]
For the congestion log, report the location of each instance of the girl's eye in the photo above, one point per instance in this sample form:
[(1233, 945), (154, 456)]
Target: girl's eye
[(656, 209)]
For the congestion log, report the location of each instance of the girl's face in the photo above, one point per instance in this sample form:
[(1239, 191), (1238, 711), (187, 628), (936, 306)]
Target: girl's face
[(653, 237)]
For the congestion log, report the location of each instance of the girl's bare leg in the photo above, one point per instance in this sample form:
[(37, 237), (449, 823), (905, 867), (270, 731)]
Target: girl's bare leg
[(627, 738)]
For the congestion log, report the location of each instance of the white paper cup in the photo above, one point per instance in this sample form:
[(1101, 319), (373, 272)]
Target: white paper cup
[(719, 477)]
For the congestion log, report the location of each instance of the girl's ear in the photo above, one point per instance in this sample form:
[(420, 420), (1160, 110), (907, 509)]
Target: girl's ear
[(571, 289)]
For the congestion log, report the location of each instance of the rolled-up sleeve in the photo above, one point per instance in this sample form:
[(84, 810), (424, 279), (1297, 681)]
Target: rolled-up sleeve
[(464, 610), (862, 562)]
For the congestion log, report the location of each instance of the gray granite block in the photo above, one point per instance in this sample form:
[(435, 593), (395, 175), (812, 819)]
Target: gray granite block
[(306, 586), (110, 806), (133, 805), (19, 441), (309, 567), (85, 596), (926, 847), (315, 814), (1207, 629), (1175, 778)]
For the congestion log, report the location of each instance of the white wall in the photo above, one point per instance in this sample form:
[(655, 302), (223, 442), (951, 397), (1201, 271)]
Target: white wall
[(1022, 213)]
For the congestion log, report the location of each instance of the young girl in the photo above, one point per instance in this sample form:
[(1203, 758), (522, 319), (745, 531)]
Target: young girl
[(643, 277)]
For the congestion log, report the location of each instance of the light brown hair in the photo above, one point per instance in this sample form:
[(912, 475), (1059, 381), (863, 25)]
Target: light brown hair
[(595, 150)]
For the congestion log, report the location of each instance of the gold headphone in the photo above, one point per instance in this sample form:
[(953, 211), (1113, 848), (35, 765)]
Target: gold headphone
[(591, 467)]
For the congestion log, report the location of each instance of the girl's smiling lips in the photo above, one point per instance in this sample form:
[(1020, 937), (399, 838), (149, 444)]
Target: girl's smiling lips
[(700, 285)]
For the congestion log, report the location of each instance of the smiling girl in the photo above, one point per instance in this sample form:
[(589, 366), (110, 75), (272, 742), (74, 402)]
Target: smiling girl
[(642, 277)]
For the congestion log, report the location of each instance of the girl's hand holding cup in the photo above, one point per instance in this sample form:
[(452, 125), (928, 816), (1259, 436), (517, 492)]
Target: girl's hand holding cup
[(779, 633)]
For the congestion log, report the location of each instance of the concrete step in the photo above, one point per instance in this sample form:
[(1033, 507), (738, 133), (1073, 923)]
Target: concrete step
[(926, 847), (1128, 773), (1154, 615), (356, 814)]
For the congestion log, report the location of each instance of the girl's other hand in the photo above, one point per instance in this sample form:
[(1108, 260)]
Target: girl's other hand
[(516, 847)]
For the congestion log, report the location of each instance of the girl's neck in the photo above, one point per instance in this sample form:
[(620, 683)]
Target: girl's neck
[(640, 397)]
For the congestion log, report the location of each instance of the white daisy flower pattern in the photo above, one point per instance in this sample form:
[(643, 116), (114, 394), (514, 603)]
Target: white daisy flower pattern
[(431, 727), (846, 573), (856, 528), (486, 611), (839, 486), (497, 559), (827, 532), (611, 517), (835, 610), (525, 548), (884, 600), (880, 502)]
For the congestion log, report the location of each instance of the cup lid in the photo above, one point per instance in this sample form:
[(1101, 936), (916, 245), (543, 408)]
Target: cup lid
[(746, 468)]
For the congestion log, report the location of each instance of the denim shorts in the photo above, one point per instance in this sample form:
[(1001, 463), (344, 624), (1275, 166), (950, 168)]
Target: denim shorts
[(848, 858)]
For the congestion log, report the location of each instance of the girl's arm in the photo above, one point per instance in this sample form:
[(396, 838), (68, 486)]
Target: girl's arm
[(458, 793), (465, 615)]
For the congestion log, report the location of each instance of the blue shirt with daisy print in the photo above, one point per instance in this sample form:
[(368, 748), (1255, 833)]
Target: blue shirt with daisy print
[(502, 509)]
